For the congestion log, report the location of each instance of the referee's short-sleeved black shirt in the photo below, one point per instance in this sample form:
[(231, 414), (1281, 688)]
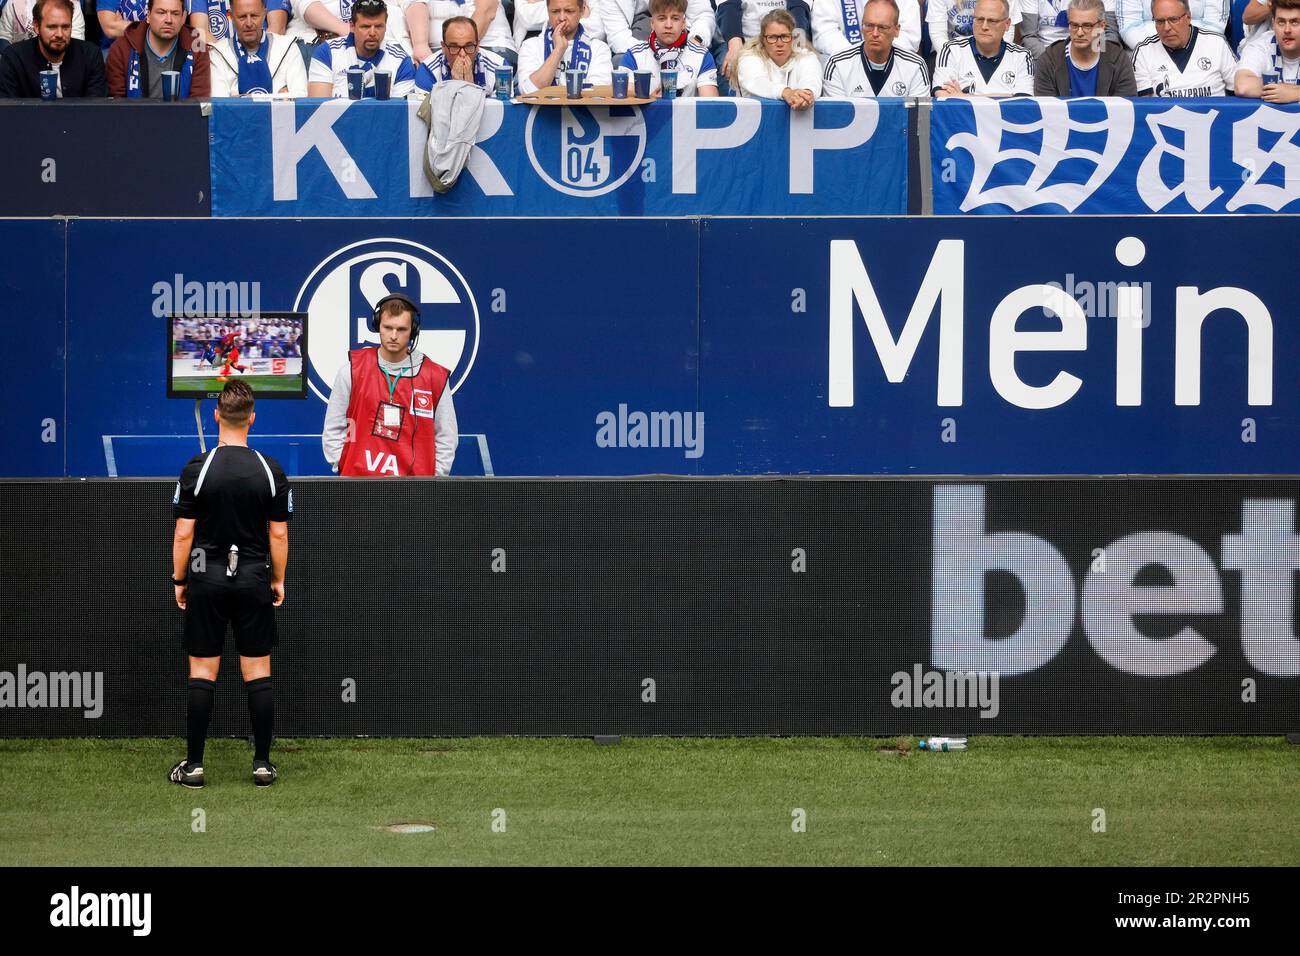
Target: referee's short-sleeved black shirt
[(232, 492)]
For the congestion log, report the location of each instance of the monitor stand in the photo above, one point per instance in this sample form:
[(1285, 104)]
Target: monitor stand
[(198, 420)]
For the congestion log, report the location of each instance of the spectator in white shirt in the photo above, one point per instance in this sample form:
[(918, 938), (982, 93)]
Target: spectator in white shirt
[(877, 66), (619, 15), (363, 47), (564, 45), (670, 47), (530, 19), (315, 21), (459, 57), (739, 21), (984, 63), (1270, 60), (1137, 21), (953, 19), (778, 63), (254, 59), (489, 18)]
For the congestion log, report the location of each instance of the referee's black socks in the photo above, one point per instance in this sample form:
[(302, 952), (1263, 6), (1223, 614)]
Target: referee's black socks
[(198, 710), (261, 711)]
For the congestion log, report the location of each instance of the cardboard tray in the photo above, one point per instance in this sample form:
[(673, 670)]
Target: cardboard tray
[(596, 96)]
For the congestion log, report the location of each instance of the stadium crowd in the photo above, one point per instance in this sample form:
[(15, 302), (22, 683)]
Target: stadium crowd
[(794, 50)]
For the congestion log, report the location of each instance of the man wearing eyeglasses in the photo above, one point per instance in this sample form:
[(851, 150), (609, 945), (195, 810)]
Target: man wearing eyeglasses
[(1085, 64), (1270, 60), (985, 64), (459, 57), (738, 20), (877, 67), (364, 46), (1137, 23), (1182, 59), (1044, 22)]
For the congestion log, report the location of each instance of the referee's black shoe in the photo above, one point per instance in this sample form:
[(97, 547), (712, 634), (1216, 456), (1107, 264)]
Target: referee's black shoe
[(187, 775), (264, 773)]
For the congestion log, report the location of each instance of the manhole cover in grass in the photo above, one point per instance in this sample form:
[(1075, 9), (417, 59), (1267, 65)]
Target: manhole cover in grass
[(410, 828)]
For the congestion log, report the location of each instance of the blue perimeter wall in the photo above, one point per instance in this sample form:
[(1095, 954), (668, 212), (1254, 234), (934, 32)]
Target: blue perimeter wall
[(786, 335)]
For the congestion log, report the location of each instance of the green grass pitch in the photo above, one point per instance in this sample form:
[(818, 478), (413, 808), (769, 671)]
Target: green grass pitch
[(260, 383), (1167, 801)]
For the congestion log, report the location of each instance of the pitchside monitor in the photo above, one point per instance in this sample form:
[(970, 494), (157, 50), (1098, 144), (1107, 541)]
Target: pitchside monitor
[(265, 350)]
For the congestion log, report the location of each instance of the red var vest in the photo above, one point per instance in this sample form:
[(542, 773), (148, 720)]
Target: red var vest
[(413, 451)]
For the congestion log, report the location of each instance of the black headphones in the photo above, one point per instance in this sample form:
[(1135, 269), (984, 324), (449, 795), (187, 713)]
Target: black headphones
[(415, 316)]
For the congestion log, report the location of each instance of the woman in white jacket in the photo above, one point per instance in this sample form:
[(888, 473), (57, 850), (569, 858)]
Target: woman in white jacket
[(779, 64), (272, 61)]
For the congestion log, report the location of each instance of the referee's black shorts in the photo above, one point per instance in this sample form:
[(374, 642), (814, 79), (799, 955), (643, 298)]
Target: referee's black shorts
[(244, 605)]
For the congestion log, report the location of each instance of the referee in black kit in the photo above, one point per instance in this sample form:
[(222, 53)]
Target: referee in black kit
[(232, 508)]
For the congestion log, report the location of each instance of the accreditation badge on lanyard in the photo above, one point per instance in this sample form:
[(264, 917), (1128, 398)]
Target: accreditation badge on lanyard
[(389, 415)]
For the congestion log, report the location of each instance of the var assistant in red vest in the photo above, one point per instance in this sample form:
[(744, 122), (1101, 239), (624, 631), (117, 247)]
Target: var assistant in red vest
[(388, 441)]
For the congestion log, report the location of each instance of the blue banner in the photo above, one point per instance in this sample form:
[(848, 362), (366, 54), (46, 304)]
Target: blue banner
[(538, 343), (691, 157), (33, 277), (1109, 156), (922, 346), (696, 347)]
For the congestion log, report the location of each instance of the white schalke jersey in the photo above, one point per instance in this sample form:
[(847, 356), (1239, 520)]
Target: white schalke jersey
[(1013, 74), (1205, 67), (904, 74), (694, 66), (1261, 56), (330, 63)]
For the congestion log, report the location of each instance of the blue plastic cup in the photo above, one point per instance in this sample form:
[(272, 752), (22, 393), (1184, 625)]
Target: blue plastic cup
[(573, 83), (668, 83), (620, 84), (171, 85), (1271, 78), (49, 84), (356, 82), (383, 84), (505, 82), (641, 83)]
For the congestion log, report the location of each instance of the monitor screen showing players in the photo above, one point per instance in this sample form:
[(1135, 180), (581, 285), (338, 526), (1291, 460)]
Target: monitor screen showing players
[(267, 351)]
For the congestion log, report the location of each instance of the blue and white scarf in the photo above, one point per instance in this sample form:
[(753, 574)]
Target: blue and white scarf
[(254, 70), (579, 52), (134, 89), (852, 25)]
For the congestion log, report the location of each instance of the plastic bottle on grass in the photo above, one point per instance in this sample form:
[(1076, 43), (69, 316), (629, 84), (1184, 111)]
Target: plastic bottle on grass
[(943, 744)]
